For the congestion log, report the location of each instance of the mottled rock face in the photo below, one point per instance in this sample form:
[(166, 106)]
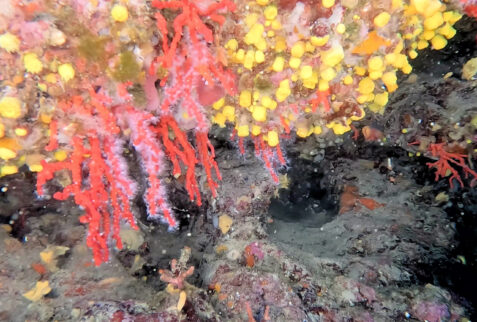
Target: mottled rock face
[(314, 159)]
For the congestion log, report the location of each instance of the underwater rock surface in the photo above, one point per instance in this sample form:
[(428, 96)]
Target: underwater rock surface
[(351, 223)]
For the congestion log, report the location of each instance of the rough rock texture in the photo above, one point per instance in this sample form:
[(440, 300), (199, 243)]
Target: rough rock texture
[(307, 261), (354, 232)]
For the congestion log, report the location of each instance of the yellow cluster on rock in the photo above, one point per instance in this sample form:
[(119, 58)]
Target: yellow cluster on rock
[(293, 76), (16, 137), (12, 135), (119, 13), (264, 47), (10, 109), (426, 22), (430, 23), (21, 140), (9, 42)]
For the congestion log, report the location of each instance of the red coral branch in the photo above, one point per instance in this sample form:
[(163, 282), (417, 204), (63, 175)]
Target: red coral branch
[(152, 157), (207, 159), (53, 144), (103, 187), (177, 149), (267, 154), (323, 99), (97, 126), (191, 17), (444, 165), (180, 149), (470, 7)]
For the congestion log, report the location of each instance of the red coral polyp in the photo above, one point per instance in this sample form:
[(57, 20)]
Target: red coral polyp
[(96, 127)]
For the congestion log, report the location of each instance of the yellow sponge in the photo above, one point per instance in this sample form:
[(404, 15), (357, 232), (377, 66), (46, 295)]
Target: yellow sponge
[(10, 107), (259, 113), (32, 63), (438, 42), (382, 19), (333, 56), (272, 138), (66, 72), (245, 98), (9, 42), (243, 130), (119, 13), (366, 86)]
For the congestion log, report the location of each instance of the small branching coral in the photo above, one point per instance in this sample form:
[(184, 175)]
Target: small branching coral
[(446, 163), (179, 271)]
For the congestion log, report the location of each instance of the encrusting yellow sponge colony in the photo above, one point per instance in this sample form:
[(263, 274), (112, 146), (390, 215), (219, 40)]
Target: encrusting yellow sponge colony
[(309, 68)]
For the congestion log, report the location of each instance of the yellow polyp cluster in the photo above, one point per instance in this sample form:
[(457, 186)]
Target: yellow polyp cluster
[(9, 149), (272, 138), (119, 13), (7, 154), (312, 82), (319, 41), (33, 161), (232, 44), (60, 155), (366, 86), (382, 19), (259, 56), (295, 62), (219, 119), (255, 37), (66, 72), (9, 42), (32, 64), (431, 23), (10, 107), (333, 56), (390, 80), (243, 130), (338, 127), (217, 105), (20, 131), (225, 113), (298, 49), (328, 3), (341, 28), (283, 90), (8, 169), (270, 12), (348, 80), (304, 128), (278, 64), (375, 67), (306, 72), (245, 98), (379, 102), (259, 113), (309, 81), (256, 130)]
